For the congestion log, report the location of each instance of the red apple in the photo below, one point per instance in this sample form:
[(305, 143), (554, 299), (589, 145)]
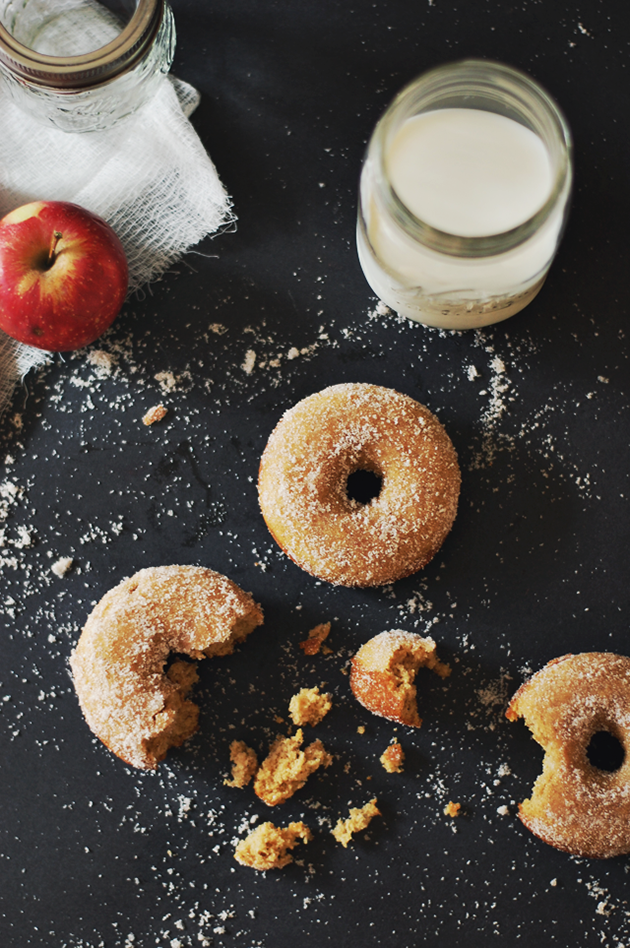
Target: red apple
[(63, 275)]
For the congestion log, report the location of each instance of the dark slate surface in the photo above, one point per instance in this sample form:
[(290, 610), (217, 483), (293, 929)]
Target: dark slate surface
[(93, 852)]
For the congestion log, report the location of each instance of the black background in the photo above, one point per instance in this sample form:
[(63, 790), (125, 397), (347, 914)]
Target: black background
[(92, 851)]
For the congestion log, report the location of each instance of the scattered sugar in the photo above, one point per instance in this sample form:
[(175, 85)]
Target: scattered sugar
[(61, 566), (249, 363), (104, 362), (171, 381), (113, 376)]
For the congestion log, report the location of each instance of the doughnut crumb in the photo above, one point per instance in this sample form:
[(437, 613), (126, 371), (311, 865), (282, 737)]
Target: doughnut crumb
[(383, 672), (287, 768), (452, 809), (393, 758), (309, 706), (359, 819), (316, 636), (244, 764), (154, 414), (266, 846)]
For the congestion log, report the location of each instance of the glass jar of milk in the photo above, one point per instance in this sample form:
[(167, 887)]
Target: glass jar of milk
[(464, 195)]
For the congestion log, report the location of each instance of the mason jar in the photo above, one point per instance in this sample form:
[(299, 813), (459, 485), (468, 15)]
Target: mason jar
[(83, 65), (436, 245)]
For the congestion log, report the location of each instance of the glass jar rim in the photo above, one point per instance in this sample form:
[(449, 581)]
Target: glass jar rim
[(515, 81), (79, 72)]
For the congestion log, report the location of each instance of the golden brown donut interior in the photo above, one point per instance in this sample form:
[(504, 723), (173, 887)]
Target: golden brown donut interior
[(179, 718)]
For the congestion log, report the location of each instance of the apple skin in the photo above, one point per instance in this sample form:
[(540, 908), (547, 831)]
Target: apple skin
[(63, 275)]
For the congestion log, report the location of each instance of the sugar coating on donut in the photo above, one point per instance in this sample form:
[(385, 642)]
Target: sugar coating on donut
[(266, 846), (575, 806), (287, 767), (129, 699), (303, 484), (383, 672)]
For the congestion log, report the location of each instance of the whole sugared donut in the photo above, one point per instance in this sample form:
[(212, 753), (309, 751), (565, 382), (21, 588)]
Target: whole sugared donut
[(136, 707), (576, 806), (303, 484)]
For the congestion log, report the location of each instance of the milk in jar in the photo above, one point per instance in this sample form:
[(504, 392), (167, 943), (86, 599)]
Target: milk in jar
[(464, 196)]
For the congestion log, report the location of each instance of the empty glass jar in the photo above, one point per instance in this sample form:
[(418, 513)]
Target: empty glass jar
[(83, 65)]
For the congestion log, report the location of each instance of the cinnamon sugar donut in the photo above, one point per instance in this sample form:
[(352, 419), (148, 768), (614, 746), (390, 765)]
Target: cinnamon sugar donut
[(575, 806), (132, 704), (383, 673), (303, 484)]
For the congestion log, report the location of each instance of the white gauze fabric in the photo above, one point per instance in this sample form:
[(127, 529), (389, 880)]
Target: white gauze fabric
[(150, 178)]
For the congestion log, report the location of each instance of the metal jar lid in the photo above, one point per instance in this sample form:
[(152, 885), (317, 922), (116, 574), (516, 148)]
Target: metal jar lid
[(80, 72)]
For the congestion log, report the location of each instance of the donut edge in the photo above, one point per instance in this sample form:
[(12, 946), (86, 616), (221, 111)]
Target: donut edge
[(395, 574), (138, 753), (537, 825)]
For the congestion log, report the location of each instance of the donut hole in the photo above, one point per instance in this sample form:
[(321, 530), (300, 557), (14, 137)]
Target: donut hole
[(605, 751), (363, 486)]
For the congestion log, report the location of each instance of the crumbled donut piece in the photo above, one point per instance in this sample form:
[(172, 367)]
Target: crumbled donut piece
[(309, 706), (452, 809), (154, 414), (316, 637), (287, 768), (384, 670), (359, 819), (576, 806), (135, 707), (244, 764), (266, 846), (307, 498), (393, 758)]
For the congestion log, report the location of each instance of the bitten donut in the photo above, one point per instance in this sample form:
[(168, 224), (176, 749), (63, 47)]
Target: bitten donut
[(303, 484), (133, 704), (576, 806), (383, 672)]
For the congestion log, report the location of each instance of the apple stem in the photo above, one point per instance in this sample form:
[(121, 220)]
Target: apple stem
[(56, 237)]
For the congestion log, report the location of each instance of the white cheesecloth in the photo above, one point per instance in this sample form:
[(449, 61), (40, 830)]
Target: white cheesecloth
[(150, 178)]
